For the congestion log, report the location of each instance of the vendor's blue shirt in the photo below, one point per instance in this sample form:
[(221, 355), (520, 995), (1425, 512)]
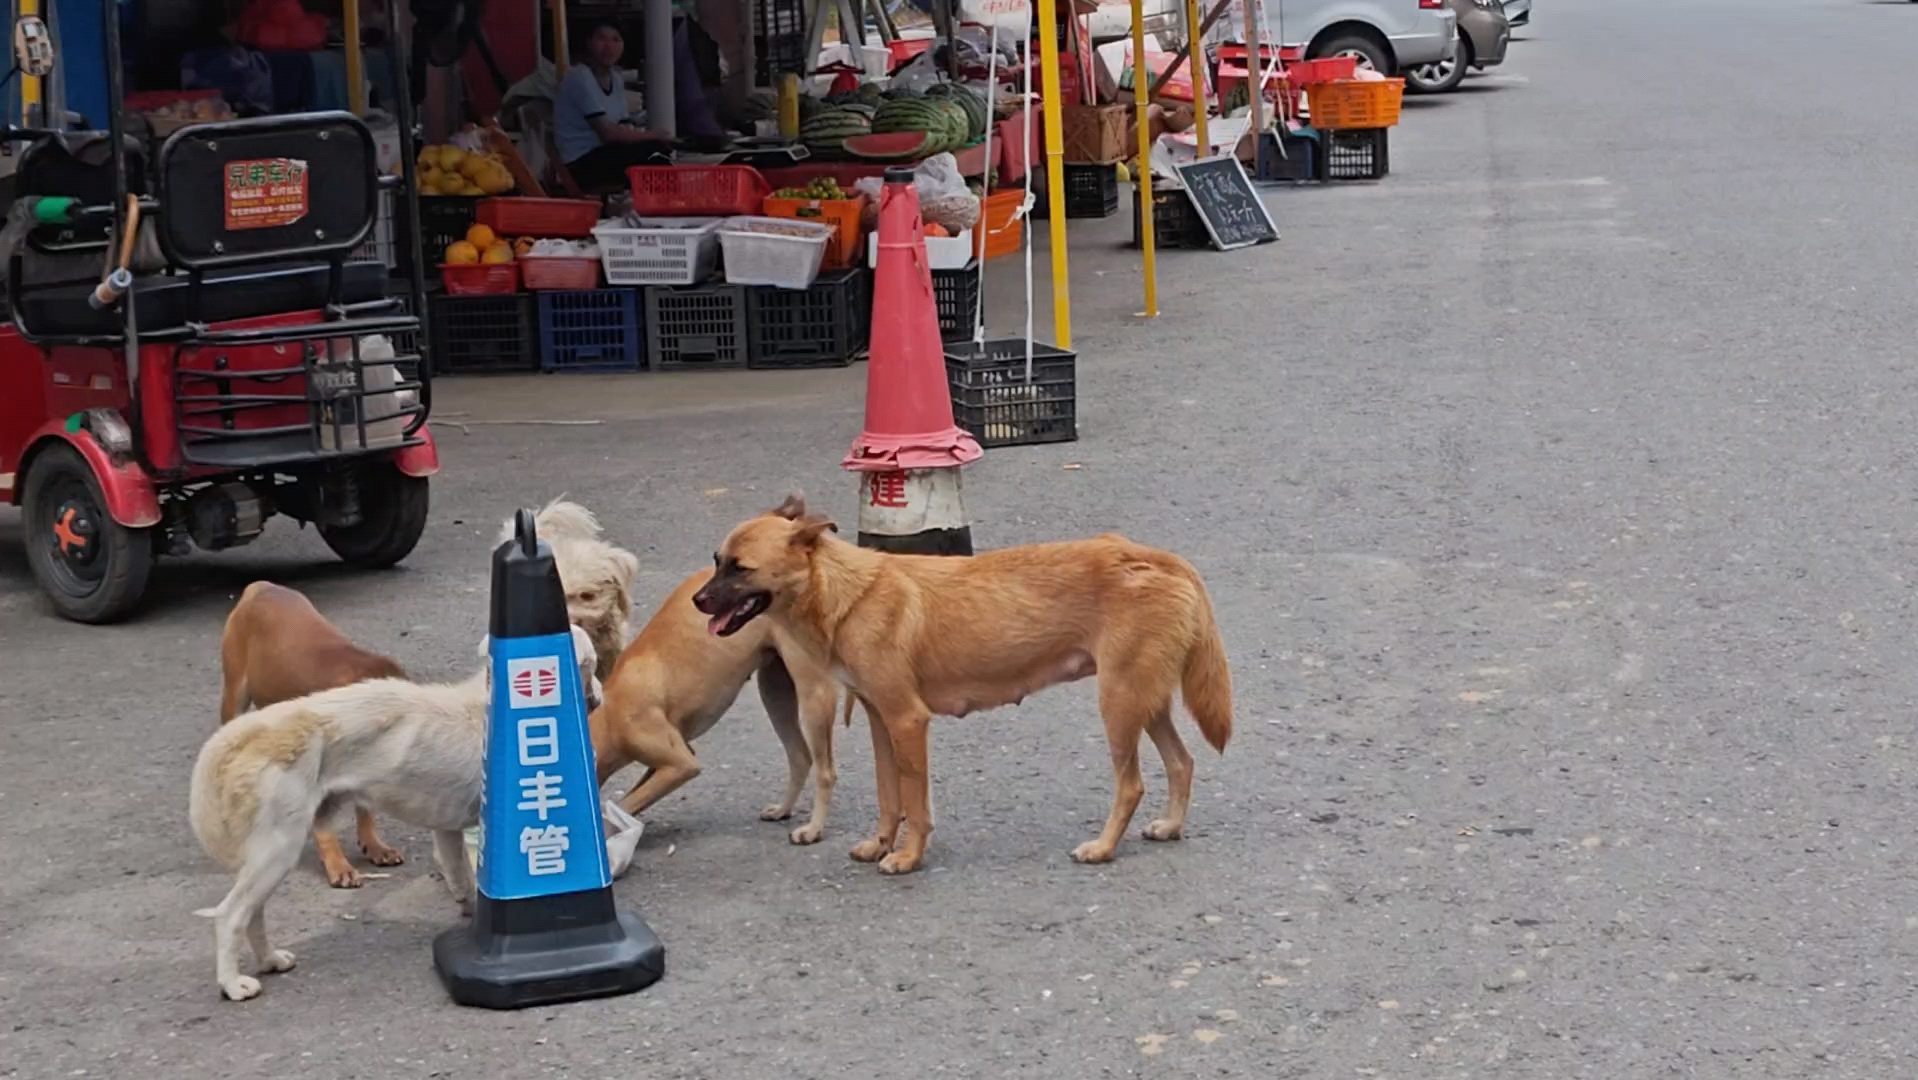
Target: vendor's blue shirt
[(580, 99)]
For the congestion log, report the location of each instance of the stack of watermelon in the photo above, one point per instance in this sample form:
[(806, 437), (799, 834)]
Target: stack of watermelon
[(911, 125)]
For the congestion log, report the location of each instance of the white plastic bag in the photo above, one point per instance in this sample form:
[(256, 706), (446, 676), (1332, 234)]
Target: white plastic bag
[(943, 195), (624, 840)]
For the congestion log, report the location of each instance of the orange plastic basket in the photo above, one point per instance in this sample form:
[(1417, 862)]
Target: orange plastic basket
[(999, 231), (846, 214), (1355, 103)]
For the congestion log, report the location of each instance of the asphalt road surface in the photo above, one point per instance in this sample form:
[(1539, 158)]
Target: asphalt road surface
[(1555, 496)]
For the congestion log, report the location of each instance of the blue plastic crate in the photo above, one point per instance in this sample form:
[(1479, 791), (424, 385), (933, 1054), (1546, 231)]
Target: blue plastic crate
[(590, 330)]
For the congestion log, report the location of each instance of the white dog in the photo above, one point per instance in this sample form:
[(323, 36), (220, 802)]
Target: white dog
[(597, 575), (406, 750)]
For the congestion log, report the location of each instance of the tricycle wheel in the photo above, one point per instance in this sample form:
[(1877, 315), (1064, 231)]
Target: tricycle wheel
[(94, 568), (392, 517)]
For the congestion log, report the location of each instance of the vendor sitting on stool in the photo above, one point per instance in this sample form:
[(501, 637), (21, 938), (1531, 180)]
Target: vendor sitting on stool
[(592, 130)]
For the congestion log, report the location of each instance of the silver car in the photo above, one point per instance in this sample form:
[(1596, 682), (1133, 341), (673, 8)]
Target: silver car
[(1483, 34), (1518, 12), (1388, 36)]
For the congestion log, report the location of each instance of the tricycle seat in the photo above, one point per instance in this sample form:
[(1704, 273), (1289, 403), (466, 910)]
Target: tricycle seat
[(168, 302)]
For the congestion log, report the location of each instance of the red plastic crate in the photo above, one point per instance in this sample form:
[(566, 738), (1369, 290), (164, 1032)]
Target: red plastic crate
[(538, 217), (1307, 72), (697, 190), (541, 272), (479, 279)]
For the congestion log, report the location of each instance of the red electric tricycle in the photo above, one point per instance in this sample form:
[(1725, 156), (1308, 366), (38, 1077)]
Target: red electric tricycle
[(193, 349)]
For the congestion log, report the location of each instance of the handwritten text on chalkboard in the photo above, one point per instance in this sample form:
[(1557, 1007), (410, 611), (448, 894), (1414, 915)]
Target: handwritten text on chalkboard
[(1222, 193)]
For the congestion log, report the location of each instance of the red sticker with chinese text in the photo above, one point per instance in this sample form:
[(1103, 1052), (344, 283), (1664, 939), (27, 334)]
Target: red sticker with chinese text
[(265, 193)]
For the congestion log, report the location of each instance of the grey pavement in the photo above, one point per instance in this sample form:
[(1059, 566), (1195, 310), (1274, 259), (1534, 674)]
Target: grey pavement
[(1555, 496)]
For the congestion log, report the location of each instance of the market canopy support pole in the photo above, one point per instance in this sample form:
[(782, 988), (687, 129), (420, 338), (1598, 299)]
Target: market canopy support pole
[(1142, 171), (1194, 31), (661, 112), (1254, 71), (562, 49), (30, 84), (1055, 169), (355, 63)]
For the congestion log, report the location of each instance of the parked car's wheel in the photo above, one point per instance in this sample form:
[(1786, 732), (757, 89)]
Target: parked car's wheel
[(1369, 53), (1444, 76), (93, 568), (392, 517)]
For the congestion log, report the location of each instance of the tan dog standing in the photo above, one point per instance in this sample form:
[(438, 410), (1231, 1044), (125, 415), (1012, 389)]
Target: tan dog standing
[(915, 635), (675, 681), (277, 647)]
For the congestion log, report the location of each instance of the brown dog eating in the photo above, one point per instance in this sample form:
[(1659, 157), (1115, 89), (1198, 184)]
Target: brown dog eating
[(918, 635), (276, 647)]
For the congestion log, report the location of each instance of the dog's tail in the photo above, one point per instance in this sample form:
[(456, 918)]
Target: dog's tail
[(559, 520), (1206, 683)]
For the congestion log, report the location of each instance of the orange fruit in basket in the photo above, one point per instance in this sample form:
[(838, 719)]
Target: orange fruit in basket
[(461, 253), (499, 251), (481, 236), (523, 245)]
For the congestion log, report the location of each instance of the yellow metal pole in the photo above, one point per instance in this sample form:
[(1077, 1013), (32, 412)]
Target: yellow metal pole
[(1193, 64), (1142, 169), (30, 84), (355, 80), (1055, 168), (560, 44)]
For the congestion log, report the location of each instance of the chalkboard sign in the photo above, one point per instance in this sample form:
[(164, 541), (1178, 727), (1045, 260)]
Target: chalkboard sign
[(1223, 195)]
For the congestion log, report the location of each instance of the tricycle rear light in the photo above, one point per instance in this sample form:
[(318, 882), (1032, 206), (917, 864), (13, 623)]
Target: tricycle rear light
[(1431, 4)]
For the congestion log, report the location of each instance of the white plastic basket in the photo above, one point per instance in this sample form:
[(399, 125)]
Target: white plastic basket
[(784, 252), (658, 251)]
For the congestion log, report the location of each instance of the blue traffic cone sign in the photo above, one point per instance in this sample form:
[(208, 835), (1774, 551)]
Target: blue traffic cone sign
[(545, 929)]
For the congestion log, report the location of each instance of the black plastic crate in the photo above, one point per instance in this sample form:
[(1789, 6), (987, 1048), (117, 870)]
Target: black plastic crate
[(992, 399), (590, 330), (1175, 224), (821, 326), (1092, 191), (443, 220), (471, 334), (955, 295), (696, 327), (1286, 156), (779, 38), (1354, 154)]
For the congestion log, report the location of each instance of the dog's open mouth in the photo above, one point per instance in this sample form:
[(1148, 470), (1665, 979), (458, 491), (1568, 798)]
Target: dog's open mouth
[(728, 621)]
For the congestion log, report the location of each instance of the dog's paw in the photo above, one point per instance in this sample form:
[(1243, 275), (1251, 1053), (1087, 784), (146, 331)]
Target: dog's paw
[(1092, 851), (808, 834), (344, 877), (898, 863), (276, 961), (242, 988), (776, 812), (1161, 829), (381, 854), (869, 850)]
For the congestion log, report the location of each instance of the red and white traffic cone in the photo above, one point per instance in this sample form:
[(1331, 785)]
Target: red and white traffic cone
[(909, 454)]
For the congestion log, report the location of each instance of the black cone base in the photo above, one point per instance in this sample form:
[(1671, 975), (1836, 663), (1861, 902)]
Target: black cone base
[(931, 542), (546, 950)]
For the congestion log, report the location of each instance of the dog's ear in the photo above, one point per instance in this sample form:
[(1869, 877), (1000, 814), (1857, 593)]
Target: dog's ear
[(810, 528), (625, 565), (793, 508)]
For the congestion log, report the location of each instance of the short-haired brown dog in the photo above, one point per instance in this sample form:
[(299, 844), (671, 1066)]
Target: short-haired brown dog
[(673, 683), (277, 647), (915, 635)]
